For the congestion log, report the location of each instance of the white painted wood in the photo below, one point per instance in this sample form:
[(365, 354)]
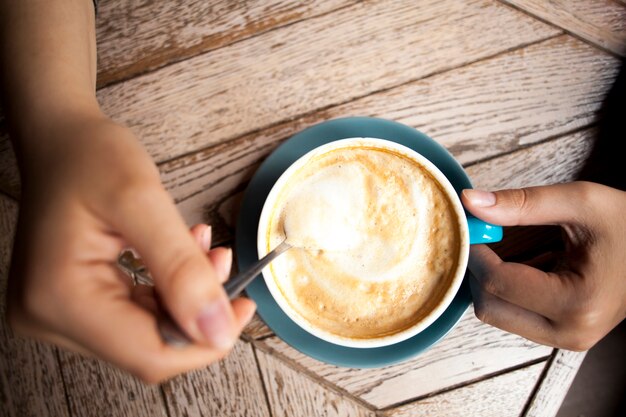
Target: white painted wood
[(473, 350), (556, 383), (135, 37), (309, 65), (291, 393), (230, 387), (501, 396), (601, 22)]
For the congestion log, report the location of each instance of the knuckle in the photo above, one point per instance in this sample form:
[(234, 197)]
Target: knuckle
[(490, 283), (522, 200), (481, 311)]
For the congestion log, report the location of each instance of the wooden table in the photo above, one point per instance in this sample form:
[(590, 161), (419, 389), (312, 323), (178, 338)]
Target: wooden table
[(510, 87)]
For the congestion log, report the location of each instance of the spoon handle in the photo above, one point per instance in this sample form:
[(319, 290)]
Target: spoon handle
[(173, 335), (235, 285)]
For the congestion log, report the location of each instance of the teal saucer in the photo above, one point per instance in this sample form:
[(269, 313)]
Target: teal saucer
[(247, 225)]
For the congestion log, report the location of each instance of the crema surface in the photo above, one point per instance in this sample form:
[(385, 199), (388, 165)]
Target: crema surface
[(377, 242)]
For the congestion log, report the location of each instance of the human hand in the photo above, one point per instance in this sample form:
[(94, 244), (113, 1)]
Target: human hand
[(574, 306), (89, 191)]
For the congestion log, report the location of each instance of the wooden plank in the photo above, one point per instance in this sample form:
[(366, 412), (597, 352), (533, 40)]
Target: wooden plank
[(501, 396), (231, 387), (601, 22), (30, 378), (556, 161), (257, 329), (272, 77), (135, 37), (488, 108), (555, 384), (486, 348), (92, 384), (291, 393)]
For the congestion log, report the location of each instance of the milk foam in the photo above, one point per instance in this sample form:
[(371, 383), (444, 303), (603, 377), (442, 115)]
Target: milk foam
[(332, 200), (379, 242)]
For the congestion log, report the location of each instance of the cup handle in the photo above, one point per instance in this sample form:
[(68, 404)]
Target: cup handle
[(483, 232)]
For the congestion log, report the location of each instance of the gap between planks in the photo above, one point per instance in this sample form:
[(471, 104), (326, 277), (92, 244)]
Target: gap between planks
[(356, 98), (201, 51), (532, 145), (564, 29), (294, 365)]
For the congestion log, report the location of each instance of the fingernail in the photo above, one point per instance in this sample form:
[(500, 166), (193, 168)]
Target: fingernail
[(206, 239), (214, 325), (480, 198)]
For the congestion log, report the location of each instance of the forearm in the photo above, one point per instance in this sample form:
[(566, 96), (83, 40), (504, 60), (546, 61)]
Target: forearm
[(47, 68)]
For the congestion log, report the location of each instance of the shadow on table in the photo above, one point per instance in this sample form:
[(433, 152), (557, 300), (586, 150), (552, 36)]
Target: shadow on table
[(607, 161), (599, 387)]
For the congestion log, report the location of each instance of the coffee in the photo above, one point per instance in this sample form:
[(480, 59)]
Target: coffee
[(377, 241)]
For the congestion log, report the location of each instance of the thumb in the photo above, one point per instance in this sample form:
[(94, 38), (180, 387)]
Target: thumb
[(551, 204), (184, 278)]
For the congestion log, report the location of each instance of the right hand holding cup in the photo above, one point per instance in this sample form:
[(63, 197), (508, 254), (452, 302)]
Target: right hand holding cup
[(574, 306)]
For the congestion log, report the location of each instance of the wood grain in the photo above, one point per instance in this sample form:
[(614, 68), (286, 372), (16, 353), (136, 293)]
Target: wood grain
[(257, 329), (231, 387), (30, 378), (486, 348), (292, 393), (478, 111), (92, 384), (501, 396), (136, 37), (309, 65), (556, 161), (485, 109), (555, 384), (601, 22)]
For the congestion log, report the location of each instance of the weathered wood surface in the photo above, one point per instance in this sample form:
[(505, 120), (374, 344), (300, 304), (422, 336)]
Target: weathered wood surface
[(92, 384), (477, 111), (136, 37), (224, 83), (601, 22), (230, 387), (556, 161), (31, 383), (277, 75), (257, 329), (292, 393), (553, 387), (501, 396), (486, 348)]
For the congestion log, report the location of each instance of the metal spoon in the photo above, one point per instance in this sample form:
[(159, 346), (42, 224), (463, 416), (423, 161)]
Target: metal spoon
[(131, 264)]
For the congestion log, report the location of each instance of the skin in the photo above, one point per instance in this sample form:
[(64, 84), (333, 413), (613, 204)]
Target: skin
[(89, 189), (578, 303)]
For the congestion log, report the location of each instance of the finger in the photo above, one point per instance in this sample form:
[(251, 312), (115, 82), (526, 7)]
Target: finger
[(202, 234), (552, 204), (185, 279), (147, 356), (222, 260), (510, 317), (244, 310), (145, 296), (519, 284), (546, 261)]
